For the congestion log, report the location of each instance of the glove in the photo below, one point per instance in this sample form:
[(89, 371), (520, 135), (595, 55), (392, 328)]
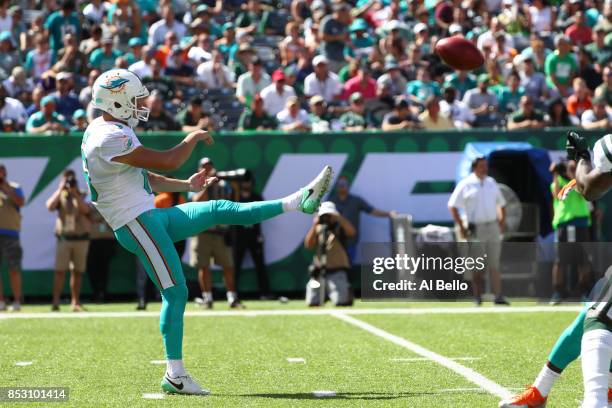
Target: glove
[(576, 147)]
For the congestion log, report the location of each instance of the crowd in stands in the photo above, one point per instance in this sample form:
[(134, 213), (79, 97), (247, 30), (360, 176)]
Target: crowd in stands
[(309, 65)]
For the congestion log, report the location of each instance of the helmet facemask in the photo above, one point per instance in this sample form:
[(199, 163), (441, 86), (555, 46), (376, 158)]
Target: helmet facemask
[(138, 113)]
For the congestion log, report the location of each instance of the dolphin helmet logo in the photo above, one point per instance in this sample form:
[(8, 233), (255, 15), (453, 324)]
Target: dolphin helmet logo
[(116, 85)]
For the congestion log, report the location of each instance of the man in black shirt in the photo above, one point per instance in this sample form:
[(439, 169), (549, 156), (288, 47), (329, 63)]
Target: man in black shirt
[(159, 119)]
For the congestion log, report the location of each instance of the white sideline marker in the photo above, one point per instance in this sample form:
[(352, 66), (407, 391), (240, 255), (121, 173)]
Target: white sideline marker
[(296, 360), (159, 362), (465, 372), (324, 393), (155, 395), (23, 363), (412, 359)]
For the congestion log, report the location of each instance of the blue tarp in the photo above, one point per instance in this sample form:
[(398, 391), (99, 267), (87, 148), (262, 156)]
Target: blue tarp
[(540, 162)]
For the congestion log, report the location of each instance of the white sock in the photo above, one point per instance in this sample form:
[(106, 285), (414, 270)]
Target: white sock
[(175, 368), (292, 202), (207, 296), (545, 381), (231, 296)]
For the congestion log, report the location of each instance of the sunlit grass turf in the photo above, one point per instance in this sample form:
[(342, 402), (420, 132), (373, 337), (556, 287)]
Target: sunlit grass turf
[(107, 361)]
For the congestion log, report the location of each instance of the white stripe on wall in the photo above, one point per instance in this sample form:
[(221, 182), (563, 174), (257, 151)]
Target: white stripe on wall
[(149, 247)]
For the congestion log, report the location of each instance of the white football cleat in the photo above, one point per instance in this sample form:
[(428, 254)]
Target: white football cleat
[(183, 384), (314, 192)]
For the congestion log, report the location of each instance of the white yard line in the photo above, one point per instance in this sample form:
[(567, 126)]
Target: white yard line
[(303, 312), (417, 359), (468, 373)]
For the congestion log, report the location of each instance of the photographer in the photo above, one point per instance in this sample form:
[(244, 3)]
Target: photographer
[(72, 230), (571, 223), (11, 200), (329, 270), (213, 243)]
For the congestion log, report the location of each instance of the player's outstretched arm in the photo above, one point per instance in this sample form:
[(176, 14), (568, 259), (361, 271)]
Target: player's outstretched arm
[(197, 182), (591, 182), (165, 160)]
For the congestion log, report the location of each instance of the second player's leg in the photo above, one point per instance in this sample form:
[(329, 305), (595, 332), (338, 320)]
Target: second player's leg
[(596, 356)]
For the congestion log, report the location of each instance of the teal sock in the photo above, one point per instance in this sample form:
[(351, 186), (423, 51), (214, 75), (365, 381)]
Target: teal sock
[(233, 213), (567, 347), (171, 319)]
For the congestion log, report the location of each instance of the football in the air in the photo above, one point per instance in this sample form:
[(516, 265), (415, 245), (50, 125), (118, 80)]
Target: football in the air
[(459, 53)]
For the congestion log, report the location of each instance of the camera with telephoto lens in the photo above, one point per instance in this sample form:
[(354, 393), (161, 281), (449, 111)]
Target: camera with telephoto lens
[(70, 182), (235, 175), (560, 168)]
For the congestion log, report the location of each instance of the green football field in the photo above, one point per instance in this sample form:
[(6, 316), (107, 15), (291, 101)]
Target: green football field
[(273, 355)]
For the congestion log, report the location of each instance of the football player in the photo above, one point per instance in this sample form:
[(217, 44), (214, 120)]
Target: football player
[(116, 165)]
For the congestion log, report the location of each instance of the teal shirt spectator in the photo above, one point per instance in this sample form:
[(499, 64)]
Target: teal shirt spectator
[(469, 82), (58, 26), (363, 44), (102, 61), (508, 100), (422, 90), (38, 119)]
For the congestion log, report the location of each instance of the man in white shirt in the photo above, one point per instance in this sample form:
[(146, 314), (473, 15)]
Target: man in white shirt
[(322, 81), (159, 29), (479, 196), (275, 95), (252, 82), (214, 74), (599, 117), (293, 118), (142, 68), (12, 109), (455, 110)]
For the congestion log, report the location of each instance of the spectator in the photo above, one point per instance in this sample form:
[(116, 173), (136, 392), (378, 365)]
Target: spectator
[(95, 11), (124, 21), (102, 247), (159, 29), (104, 58), (158, 82), (541, 16), (454, 109), (482, 102), (393, 79), (193, 117), (362, 83), (201, 51), (92, 43), (79, 121), (136, 50), (354, 120), (511, 94), (561, 67), (142, 68), (276, 94), (587, 71), (18, 83), (253, 19), (488, 37), (6, 22), (66, 100), (527, 117), (431, 119), (61, 22), (12, 109), (256, 117), (177, 70), (72, 229), (461, 81), (244, 55), (579, 32), (40, 59), (291, 44), (205, 22), (10, 57), (252, 82), (211, 244), (320, 118), (558, 116), (580, 100), (334, 35), (214, 74), (47, 120), (159, 118), (330, 265), (11, 201), (227, 44), (85, 94), (351, 206), (422, 87), (69, 58), (37, 94), (293, 118), (605, 89), (537, 52), (322, 81), (163, 51), (483, 204), (400, 118), (533, 82), (599, 117), (600, 52), (361, 45)]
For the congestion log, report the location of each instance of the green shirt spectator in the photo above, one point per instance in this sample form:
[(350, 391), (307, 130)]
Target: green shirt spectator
[(573, 210), (104, 58), (422, 87), (47, 119), (352, 119), (252, 121), (561, 65), (61, 22)]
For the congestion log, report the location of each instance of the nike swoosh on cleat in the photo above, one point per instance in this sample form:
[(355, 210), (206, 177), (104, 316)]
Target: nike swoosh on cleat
[(310, 191), (178, 386)]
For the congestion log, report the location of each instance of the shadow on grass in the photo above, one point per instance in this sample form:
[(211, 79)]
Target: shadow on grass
[(338, 396)]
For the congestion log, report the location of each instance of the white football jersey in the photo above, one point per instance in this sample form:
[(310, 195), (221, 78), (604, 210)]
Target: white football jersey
[(602, 154), (119, 191)]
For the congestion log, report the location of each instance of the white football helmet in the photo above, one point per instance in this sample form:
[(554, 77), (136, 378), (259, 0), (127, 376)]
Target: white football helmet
[(116, 92)]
